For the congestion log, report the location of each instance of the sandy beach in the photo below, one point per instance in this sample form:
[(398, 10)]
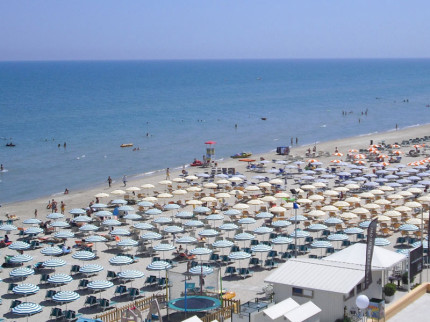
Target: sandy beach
[(246, 289)]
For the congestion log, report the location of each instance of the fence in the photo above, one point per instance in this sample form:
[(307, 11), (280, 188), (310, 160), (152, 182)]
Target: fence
[(229, 307), (141, 304)]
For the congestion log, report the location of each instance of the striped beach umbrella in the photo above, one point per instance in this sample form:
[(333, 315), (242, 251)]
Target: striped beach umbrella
[(418, 244), (65, 296), (184, 215), (60, 279), (333, 221), (200, 251), (228, 227), (21, 258), (145, 204), (158, 266), (21, 272), (408, 227), (25, 289), (118, 202), (84, 255), (239, 255), (321, 244), (215, 217), (33, 231), (317, 227), (27, 308), (32, 221), (55, 215), (111, 222), (244, 236), (171, 206), (121, 260), (127, 243), (262, 230), (201, 270), (82, 219), (54, 262), (337, 237), (99, 285), (382, 242), (163, 220), (173, 229), (51, 251), (103, 213), (224, 243), (151, 236), (60, 224), (125, 208), (365, 224), (91, 269), (209, 233), (88, 227), (120, 232), (132, 217), (143, 226), (186, 240), (298, 218), (246, 221), (353, 230), (64, 234), (264, 215), (153, 212), (232, 212), (77, 211), (281, 223), (281, 240), (261, 248), (194, 223), (95, 239), (130, 274), (202, 210), (19, 245), (163, 247), (299, 234), (99, 205)]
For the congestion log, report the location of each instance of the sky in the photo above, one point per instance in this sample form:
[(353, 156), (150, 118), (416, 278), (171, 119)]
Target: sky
[(213, 29)]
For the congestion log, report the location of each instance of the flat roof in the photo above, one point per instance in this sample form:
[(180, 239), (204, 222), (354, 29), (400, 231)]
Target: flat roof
[(279, 309), (317, 274), (303, 312)]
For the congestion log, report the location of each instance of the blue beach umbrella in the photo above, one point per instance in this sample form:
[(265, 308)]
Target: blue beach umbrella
[(281, 223), (163, 220), (111, 222), (21, 272), (121, 260), (25, 289), (382, 242), (60, 224), (32, 221), (19, 245), (60, 279), (54, 262), (21, 258), (95, 239), (51, 251), (84, 255), (77, 211), (132, 217), (33, 231), (127, 243), (173, 229), (91, 269), (186, 240)]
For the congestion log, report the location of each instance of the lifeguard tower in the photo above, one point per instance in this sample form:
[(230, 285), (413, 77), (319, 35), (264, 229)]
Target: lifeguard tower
[(210, 153)]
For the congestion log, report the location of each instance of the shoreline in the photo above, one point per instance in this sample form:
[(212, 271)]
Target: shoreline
[(75, 199)]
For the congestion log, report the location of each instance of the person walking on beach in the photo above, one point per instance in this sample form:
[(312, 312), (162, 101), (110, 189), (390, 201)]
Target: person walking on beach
[(54, 206), (297, 140), (35, 213), (124, 180), (109, 180), (167, 174), (62, 207)]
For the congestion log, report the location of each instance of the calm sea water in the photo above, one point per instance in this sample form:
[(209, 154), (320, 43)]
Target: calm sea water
[(170, 108)]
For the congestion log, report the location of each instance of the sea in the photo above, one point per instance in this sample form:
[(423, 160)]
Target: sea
[(169, 109)]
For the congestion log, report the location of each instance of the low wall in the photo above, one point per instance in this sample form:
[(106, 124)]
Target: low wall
[(403, 302)]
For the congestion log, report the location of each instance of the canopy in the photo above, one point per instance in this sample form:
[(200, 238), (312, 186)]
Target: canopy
[(356, 254)]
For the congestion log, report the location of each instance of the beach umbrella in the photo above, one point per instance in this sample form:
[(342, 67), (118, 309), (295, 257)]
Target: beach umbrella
[(121, 260), (333, 221), (130, 274), (101, 195), (25, 289), (147, 186), (99, 285), (81, 219), (186, 240), (408, 227), (118, 192), (159, 266), (317, 227), (19, 245), (202, 210), (194, 202), (297, 218), (143, 226), (145, 204), (54, 262), (382, 242), (91, 269), (201, 270), (209, 233), (163, 248), (299, 234), (264, 215), (239, 256), (60, 279), (244, 236), (55, 215), (184, 215), (153, 212), (88, 227), (118, 202), (337, 237), (228, 227), (127, 243), (262, 230), (414, 221), (51, 251), (194, 223), (21, 272), (281, 241), (64, 234), (246, 221), (223, 243), (151, 236), (321, 244), (33, 231), (65, 297), (261, 248), (173, 229), (392, 213), (111, 222), (120, 232), (95, 239), (132, 217), (126, 208), (150, 199), (240, 206), (27, 308), (200, 251), (353, 230), (281, 223), (163, 220), (32, 221), (84, 255), (21, 258), (413, 204), (171, 206), (215, 217)]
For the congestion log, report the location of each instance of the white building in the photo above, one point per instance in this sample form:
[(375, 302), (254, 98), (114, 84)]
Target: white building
[(332, 285)]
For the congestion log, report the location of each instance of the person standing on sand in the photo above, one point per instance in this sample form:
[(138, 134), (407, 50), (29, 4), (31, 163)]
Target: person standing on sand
[(62, 207), (167, 174), (54, 206), (109, 180), (124, 180), (35, 213)]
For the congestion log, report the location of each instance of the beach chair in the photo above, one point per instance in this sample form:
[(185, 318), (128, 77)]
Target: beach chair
[(234, 248), (90, 301), (162, 282), (230, 270), (70, 315), (111, 275), (225, 259), (133, 292), (83, 283), (120, 290), (214, 257), (156, 259), (150, 280), (10, 287), (15, 303), (56, 313), (254, 261), (272, 254), (269, 263), (75, 269), (104, 304), (49, 294), (346, 243), (254, 242), (330, 251), (286, 256), (44, 278)]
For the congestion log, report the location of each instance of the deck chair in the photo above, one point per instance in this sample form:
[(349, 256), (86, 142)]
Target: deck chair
[(69, 315), (120, 290), (90, 300), (10, 287), (56, 312), (133, 292), (75, 269), (50, 294), (111, 275), (15, 303), (254, 261), (83, 283), (104, 304), (230, 270), (44, 278), (286, 256)]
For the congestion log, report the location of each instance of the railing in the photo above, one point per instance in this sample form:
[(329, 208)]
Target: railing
[(141, 304), (229, 307)]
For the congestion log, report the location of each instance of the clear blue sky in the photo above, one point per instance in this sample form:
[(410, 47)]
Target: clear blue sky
[(216, 29)]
